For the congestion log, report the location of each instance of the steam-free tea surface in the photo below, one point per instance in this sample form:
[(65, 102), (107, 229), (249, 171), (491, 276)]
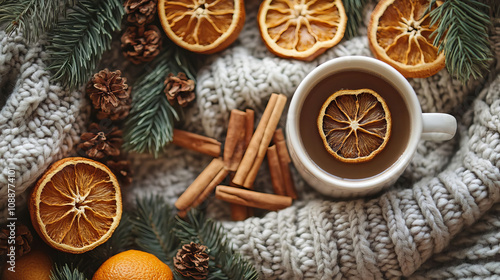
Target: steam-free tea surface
[(311, 139)]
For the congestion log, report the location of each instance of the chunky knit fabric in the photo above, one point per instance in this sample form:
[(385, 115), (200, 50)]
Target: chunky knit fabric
[(440, 220), (39, 121)]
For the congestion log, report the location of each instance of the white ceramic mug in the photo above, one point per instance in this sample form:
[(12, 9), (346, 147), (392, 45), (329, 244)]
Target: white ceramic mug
[(426, 126)]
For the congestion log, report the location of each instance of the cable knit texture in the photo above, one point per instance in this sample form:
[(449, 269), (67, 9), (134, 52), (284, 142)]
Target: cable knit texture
[(440, 220), (39, 121)]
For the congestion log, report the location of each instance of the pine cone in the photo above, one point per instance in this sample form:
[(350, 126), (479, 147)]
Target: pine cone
[(117, 113), (99, 142), (141, 45), (121, 169), (22, 241), (192, 261), (106, 89), (179, 88), (140, 12)]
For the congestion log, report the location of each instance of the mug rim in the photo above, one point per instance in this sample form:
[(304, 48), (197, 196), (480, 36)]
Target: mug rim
[(367, 64)]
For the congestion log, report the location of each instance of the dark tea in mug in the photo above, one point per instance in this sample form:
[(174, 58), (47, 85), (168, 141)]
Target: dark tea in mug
[(353, 80)]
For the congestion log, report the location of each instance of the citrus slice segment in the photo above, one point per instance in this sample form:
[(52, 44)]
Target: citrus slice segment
[(301, 29), (76, 205), (400, 34), (354, 125), (202, 26)]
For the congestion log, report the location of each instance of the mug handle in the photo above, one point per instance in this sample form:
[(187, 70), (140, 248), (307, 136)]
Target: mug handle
[(438, 126)]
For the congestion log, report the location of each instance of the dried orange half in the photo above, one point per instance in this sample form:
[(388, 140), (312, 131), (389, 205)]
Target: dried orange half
[(301, 29), (76, 205), (400, 34), (202, 26), (354, 125)]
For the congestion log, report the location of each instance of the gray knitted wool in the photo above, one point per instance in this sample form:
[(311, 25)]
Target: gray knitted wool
[(441, 220), (39, 121), (447, 188)]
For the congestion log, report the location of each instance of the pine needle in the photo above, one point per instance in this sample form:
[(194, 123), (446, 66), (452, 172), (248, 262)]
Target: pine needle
[(462, 34), (354, 11), (152, 227), (77, 43), (224, 262), (66, 272), (150, 125), (33, 18)]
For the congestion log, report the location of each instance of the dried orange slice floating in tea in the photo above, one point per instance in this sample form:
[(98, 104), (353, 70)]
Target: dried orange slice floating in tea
[(400, 34), (301, 29), (355, 125), (202, 26), (76, 205)]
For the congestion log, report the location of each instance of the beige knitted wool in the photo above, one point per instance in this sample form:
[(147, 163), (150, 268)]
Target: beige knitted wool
[(39, 121)]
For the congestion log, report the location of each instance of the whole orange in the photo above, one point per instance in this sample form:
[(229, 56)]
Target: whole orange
[(36, 265), (133, 265)]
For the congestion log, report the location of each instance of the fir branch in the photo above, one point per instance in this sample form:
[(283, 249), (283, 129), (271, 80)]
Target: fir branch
[(150, 124), (66, 272), (77, 43), (354, 11), (152, 227), (33, 18), (462, 34), (224, 262)]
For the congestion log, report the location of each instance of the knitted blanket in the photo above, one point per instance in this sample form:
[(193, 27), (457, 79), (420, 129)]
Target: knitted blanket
[(440, 220), (39, 121)]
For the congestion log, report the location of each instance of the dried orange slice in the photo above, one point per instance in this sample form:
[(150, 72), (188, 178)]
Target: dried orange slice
[(301, 29), (400, 34), (202, 26), (355, 125), (76, 205)]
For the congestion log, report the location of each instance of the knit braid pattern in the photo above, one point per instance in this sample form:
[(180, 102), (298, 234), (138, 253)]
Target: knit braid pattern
[(40, 122)]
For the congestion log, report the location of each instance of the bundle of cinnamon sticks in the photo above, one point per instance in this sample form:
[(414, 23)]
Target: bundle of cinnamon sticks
[(243, 153)]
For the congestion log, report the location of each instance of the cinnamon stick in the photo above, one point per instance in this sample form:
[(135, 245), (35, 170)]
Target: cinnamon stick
[(210, 187), (275, 171), (272, 202), (284, 161), (201, 182), (255, 153), (239, 212), (234, 146), (249, 123), (196, 142)]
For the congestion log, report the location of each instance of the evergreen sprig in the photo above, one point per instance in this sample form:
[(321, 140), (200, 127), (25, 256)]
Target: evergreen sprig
[(158, 231), (462, 35), (66, 272), (354, 11), (33, 18), (150, 125), (77, 43), (153, 226), (224, 262)]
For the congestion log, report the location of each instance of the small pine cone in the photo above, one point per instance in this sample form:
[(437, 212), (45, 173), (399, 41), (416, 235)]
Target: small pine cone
[(192, 261), (99, 142), (141, 45), (106, 89), (121, 169), (117, 113), (140, 12), (179, 88), (22, 243)]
